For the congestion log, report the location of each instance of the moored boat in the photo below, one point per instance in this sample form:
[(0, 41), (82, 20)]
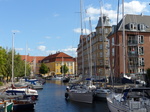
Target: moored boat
[(101, 93), (131, 100), (23, 105)]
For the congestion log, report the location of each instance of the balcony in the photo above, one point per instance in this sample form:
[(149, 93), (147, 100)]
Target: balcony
[(132, 54), (132, 43)]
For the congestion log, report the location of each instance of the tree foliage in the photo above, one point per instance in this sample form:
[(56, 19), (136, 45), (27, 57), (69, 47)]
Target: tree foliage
[(43, 69), (3, 61), (6, 64), (64, 69)]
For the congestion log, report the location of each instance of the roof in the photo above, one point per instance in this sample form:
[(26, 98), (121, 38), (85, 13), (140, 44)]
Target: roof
[(59, 56), (130, 18), (32, 58), (139, 19), (106, 21)]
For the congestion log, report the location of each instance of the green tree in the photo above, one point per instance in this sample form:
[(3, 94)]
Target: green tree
[(19, 66), (3, 61), (6, 64), (43, 69), (64, 69)]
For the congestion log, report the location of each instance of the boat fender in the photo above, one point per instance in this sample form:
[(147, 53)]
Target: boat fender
[(66, 95), (33, 98), (67, 89)]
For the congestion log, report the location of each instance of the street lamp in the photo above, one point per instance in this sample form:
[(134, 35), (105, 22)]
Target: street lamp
[(13, 58)]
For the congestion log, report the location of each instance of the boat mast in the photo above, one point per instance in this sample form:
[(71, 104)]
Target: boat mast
[(82, 36), (123, 39), (90, 48), (26, 61)]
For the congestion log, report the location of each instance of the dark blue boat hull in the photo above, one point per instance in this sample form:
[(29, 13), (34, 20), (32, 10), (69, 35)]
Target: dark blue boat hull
[(23, 107)]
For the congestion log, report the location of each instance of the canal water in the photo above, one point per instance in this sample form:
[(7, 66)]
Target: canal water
[(52, 99)]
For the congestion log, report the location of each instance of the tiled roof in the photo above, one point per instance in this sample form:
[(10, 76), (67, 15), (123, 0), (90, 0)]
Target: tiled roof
[(32, 58), (59, 56)]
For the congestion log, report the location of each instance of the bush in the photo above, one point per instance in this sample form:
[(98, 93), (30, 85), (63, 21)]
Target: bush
[(1, 83)]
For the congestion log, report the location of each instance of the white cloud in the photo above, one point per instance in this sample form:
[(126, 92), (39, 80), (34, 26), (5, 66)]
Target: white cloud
[(92, 11), (41, 42), (56, 15), (47, 37), (85, 31), (19, 49), (29, 49), (50, 52), (58, 37), (41, 48), (69, 51), (133, 7), (15, 31)]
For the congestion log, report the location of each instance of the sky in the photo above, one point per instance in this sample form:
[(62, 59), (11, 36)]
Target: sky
[(43, 27)]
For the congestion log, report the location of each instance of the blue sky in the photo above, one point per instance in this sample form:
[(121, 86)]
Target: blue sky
[(48, 26)]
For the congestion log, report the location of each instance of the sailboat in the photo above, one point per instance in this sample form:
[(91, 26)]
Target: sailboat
[(80, 92)]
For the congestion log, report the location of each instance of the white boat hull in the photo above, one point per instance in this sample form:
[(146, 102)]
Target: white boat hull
[(119, 106)]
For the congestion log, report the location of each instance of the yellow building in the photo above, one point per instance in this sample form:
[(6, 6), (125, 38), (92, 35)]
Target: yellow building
[(55, 61)]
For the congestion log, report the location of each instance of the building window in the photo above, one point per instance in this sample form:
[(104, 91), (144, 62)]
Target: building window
[(132, 39), (140, 39), (113, 62), (141, 50), (101, 54), (57, 70), (106, 62), (101, 62), (106, 30), (133, 26), (100, 38), (141, 27), (113, 52), (100, 30), (140, 70), (112, 41), (101, 46), (141, 61)]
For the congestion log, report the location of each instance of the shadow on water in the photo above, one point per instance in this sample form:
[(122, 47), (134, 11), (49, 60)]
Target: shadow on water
[(52, 99)]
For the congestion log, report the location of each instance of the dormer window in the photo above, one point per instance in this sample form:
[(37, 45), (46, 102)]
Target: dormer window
[(132, 26), (141, 27)]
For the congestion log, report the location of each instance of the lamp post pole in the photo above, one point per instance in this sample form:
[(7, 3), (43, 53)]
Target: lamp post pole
[(13, 58)]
